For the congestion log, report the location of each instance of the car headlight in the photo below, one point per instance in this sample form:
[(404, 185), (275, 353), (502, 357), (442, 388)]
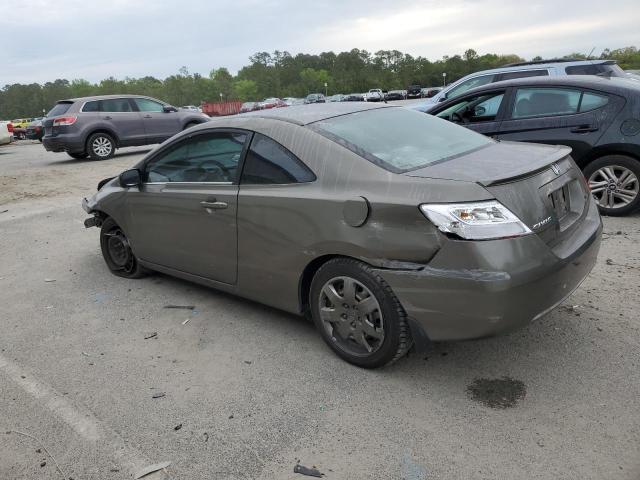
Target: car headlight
[(475, 221)]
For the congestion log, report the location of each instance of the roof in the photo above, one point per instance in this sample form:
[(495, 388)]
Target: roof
[(315, 112), (106, 97), (606, 84), (560, 60)]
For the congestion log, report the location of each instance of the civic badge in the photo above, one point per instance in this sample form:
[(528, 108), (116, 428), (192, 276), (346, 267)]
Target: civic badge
[(555, 168)]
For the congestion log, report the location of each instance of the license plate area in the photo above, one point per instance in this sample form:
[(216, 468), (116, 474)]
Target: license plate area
[(561, 201)]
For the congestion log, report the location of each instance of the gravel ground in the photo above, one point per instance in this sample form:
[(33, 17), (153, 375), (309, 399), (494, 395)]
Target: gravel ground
[(245, 391)]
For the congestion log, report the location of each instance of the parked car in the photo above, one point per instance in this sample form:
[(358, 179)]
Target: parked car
[(21, 122), (249, 107), (191, 108), (430, 92), (543, 68), (599, 118), (414, 91), (272, 103), (34, 130), (395, 95), (374, 95), (293, 101), (6, 133), (338, 97), (445, 236), (97, 126), (315, 98), (354, 97)]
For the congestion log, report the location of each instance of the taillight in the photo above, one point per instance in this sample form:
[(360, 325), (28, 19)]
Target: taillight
[(10, 127), (62, 121)]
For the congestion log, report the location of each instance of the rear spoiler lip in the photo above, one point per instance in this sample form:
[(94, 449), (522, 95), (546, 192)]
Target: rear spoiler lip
[(562, 154)]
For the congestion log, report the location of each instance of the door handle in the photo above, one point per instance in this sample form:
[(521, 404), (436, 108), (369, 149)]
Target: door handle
[(214, 205), (107, 117), (584, 129), (148, 116)]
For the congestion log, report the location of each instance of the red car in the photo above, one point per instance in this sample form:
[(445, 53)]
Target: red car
[(272, 103)]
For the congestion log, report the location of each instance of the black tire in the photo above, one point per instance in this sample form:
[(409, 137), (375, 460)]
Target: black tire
[(616, 164), (190, 124), (117, 253), (397, 339), (78, 155), (101, 146)]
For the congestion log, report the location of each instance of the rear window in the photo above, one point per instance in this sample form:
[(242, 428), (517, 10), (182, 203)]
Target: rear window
[(602, 69), (399, 139), (60, 109)]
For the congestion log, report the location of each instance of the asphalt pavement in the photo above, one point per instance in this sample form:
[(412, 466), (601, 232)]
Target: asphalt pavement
[(98, 379)]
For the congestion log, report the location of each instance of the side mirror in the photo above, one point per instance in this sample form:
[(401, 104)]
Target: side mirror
[(130, 178), (169, 109)]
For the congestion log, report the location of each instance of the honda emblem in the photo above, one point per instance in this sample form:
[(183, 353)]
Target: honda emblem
[(555, 168)]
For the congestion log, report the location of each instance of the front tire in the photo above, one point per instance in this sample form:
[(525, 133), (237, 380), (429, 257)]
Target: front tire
[(614, 181), (358, 315), (101, 146), (117, 252)]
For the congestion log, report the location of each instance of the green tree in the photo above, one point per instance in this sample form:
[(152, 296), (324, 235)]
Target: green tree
[(245, 90)]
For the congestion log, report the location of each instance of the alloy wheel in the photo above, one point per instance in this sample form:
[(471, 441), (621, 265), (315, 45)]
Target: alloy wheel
[(102, 146), (352, 316), (614, 186)]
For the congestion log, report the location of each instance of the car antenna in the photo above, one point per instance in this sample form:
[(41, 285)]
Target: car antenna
[(589, 56)]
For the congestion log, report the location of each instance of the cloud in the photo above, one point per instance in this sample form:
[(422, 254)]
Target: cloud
[(93, 40)]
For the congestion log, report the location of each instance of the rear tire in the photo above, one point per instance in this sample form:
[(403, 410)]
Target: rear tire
[(358, 315), (117, 252), (77, 155), (614, 181), (101, 146)]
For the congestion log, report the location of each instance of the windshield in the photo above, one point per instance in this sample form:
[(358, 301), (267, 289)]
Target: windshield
[(399, 139)]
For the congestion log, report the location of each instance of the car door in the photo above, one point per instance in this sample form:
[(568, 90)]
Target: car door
[(558, 115), (184, 214), (158, 123), (480, 112), (118, 115)]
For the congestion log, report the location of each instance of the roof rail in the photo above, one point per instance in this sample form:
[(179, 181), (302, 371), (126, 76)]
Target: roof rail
[(554, 60)]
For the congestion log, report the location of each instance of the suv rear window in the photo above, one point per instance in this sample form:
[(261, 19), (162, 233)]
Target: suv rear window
[(521, 74), (59, 109), (609, 69), (398, 139)]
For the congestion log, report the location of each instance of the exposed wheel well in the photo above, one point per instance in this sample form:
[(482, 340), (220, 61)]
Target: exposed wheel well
[(101, 130), (306, 278)]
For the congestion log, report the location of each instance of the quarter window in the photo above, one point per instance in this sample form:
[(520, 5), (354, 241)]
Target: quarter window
[(146, 105), (211, 157), (91, 107), (542, 102), (115, 105), (591, 101), (268, 162)]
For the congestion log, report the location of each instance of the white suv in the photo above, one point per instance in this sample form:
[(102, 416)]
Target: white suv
[(521, 70), (374, 95)]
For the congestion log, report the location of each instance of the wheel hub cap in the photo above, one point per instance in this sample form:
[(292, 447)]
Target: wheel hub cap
[(119, 250), (352, 316)]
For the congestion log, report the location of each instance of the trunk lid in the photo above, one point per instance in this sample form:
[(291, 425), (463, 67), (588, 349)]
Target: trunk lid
[(541, 184)]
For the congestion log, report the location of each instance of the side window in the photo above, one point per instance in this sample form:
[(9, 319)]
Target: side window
[(521, 74), (116, 105), (268, 162), (542, 102), (146, 105), (591, 101), (91, 106), (468, 85), (480, 108), (210, 157)]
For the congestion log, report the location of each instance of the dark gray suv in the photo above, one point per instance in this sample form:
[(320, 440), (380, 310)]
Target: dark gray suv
[(96, 126)]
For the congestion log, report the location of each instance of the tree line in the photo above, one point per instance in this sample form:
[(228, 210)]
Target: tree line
[(278, 74)]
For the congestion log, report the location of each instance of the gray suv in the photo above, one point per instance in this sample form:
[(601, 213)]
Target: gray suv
[(95, 126)]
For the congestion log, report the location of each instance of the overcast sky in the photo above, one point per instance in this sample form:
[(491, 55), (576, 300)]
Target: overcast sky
[(43, 39)]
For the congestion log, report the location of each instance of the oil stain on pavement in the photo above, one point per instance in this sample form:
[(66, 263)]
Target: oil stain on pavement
[(502, 392)]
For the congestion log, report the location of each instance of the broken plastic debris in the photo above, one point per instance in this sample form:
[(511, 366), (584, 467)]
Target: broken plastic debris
[(181, 307), (185, 322), (151, 468), (309, 472), (49, 280), (151, 335), (158, 395)]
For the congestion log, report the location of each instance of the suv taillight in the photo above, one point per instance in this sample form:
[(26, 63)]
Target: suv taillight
[(10, 127), (61, 121)]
